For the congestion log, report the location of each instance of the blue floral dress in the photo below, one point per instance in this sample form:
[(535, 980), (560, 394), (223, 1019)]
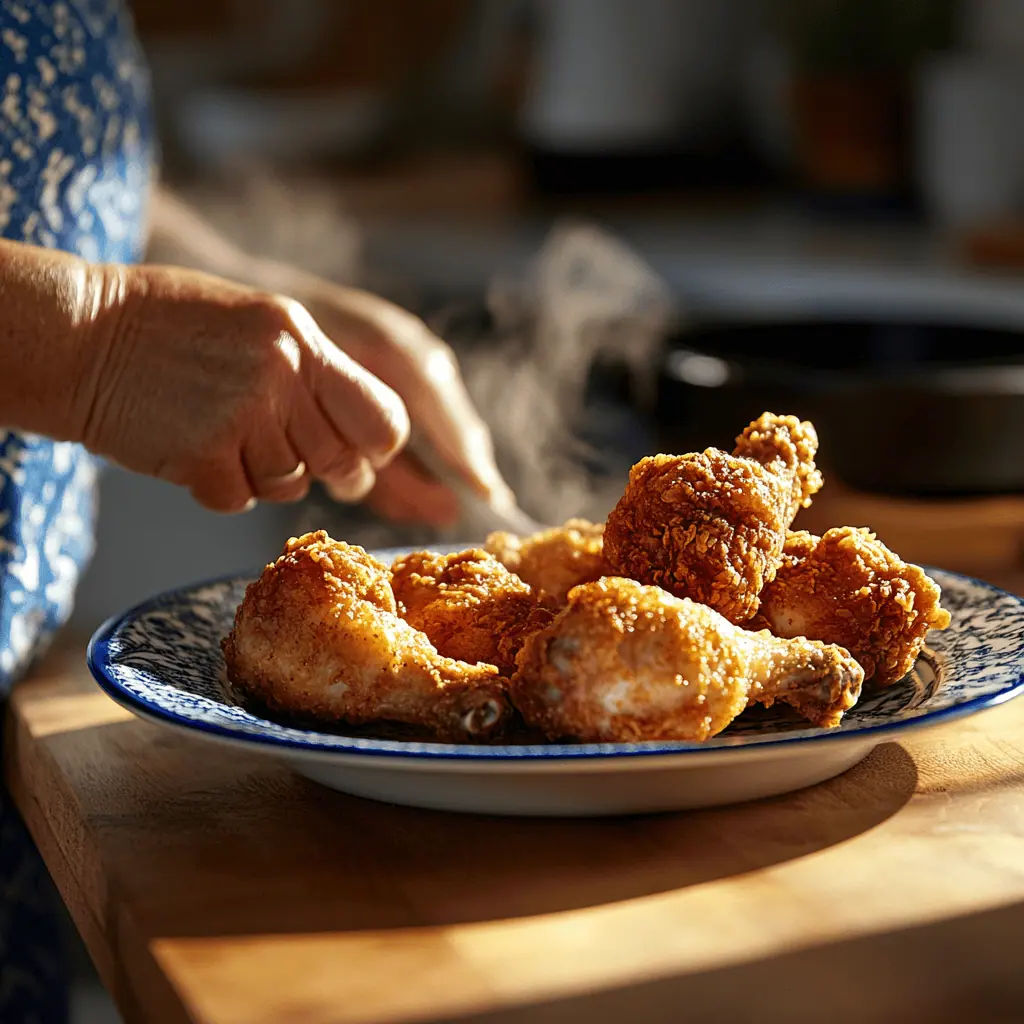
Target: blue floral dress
[(75, 166)]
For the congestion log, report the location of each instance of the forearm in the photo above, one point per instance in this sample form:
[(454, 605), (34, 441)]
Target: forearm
[(49, 301), (180, 234)]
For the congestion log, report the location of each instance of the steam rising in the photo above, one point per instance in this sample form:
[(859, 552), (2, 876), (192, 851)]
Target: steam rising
[(587, 300)]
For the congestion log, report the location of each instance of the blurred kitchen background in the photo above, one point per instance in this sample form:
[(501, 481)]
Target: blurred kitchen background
[(641, 222)]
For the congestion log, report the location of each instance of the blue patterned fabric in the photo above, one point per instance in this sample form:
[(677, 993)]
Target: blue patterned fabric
[(75, 166)]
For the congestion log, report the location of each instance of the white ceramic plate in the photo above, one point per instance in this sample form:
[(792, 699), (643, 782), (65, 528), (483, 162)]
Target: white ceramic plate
[(162, 660)]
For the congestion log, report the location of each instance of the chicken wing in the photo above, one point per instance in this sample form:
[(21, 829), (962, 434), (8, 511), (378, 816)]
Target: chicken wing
[(469, 605), (556, 560), (848, 588), (625, 662), (318, 635), (711, 526)]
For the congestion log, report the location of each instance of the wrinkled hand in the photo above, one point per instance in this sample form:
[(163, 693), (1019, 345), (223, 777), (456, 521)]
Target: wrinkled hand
[(391, 343), (231, 392), (400, 349)]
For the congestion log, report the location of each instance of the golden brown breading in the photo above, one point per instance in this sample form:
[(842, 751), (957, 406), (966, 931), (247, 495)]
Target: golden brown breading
[(318, 634), (468, 604), (625, 662), (848, 588), (786, 446), (554, 561), (711, 526)]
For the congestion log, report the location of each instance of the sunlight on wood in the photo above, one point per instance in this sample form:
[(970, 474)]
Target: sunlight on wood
[(468, 969), (75, 712)]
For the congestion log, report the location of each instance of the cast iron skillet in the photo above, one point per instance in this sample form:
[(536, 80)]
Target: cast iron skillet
[(909, 409)]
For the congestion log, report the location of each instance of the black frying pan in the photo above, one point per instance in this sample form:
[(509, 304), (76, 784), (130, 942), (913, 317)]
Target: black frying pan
[(910, 409)]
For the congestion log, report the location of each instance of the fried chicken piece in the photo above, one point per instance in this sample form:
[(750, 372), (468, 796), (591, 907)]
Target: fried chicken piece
[(556, 560), (625, 662), (469, 605), (711, 526), (318, 635), (848, 588)]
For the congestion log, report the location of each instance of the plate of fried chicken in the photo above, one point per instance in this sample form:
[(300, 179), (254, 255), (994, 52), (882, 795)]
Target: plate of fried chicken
[(692, 650)]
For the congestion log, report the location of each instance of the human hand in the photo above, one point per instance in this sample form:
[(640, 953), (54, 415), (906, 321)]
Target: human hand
[(389, 341), (402, 351), (234, 393)]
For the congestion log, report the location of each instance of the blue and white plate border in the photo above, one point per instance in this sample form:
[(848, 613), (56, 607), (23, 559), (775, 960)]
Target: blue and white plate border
[(300, 743)]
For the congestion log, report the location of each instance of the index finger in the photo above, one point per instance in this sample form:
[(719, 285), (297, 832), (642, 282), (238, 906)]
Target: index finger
[(363, 409), (398, 347)]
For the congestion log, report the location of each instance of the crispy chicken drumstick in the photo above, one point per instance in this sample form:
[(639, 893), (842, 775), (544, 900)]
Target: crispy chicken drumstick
[(318, 634), (848, 588), (711, 526), (469, 605), (625, 662)]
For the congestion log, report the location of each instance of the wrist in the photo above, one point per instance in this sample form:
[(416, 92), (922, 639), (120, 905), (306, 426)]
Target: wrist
[(47, 304), (110, 294)]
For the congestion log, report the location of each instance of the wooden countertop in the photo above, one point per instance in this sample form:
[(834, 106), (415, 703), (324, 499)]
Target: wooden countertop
[(216, 887)]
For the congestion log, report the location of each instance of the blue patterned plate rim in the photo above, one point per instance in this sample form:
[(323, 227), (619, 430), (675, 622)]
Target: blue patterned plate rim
[(239, 725)]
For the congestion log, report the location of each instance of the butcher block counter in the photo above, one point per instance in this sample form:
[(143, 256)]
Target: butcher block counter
[(217, 887)]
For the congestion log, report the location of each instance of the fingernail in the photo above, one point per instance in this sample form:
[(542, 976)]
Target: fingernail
[(491, 486), (501, 498)]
